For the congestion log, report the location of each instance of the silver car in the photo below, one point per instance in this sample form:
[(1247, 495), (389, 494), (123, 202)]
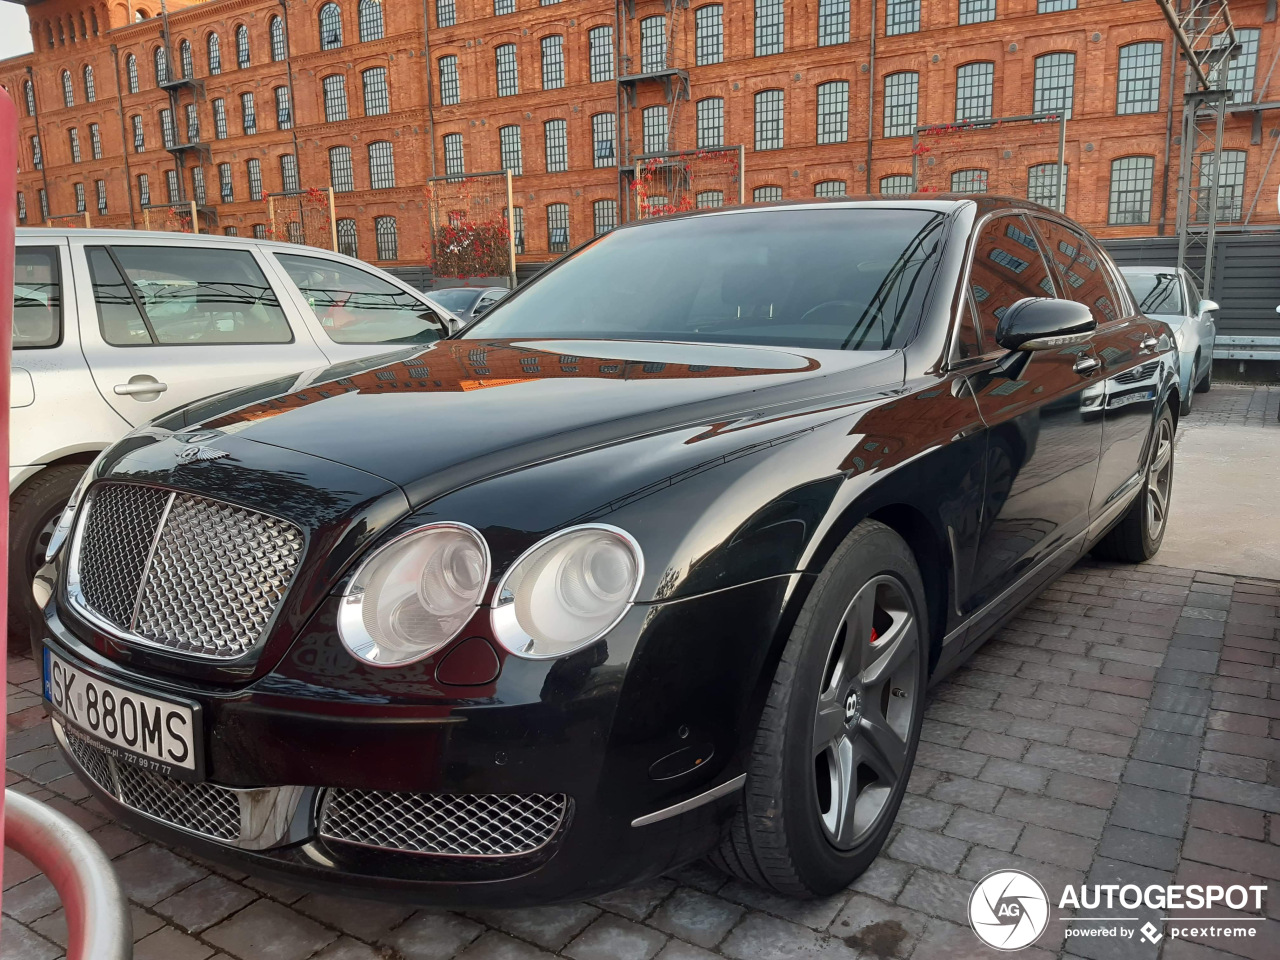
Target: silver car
[(112, 328), (1169, 294), (469, 302)]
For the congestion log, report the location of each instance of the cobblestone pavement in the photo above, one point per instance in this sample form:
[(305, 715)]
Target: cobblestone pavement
[(1237, 404), (1124, 728)]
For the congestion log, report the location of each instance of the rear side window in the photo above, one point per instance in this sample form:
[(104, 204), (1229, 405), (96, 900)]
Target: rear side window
[(354, 306), (183, 296), (1083, 270), (37, 298), (1007, 267)]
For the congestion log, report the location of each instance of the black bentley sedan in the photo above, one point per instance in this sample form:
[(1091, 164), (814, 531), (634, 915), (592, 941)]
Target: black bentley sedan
[(656, 560)]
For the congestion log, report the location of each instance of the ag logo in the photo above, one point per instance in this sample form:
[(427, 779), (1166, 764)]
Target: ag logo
[(1008, 909)]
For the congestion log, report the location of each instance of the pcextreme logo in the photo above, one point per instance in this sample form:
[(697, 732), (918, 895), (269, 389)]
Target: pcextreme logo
[(1009, 910)]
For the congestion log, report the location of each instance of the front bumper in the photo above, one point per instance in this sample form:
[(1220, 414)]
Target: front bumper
[(594, 728)]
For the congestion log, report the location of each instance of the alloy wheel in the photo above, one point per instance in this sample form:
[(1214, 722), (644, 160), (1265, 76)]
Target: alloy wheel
[(1159, 479), (862, 724)]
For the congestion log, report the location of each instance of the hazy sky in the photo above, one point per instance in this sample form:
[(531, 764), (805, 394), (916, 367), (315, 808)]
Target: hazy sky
[(15, 32)]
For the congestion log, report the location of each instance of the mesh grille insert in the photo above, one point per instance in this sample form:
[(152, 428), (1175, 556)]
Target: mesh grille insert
[(117, 539), (477, 825)]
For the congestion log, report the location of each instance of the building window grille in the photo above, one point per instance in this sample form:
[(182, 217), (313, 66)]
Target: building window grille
[(384, 231), (901, 98), (557, 145), (254, 168), (95, 141), (1042, 184), (833, 22), (171, 186), (969, 181), (289, 182), (710, 122), (220, 119), (600, 53), (44, 205), (1138, 89), (347, 238), (654, 125), (1130, 200), (144, 189), (259, 231), (68, 91), (131, 71), (508, 70), (29, 91), (833, 111), (213, 49), (377, 95), (382, 165), (197, 186), (342, 174), (604, 215), (79, 194), (1242, 71), (977, 11), (454, 162), (653, 44), (511, 149), (1055, 81), (279, 48), (226, 189), (517, 230), (503, 7), (193, 123), (558, 227), (450, 88), (371, 28), (231, 231), (552, 62), (446, 13), (90, 91), (1230, 186), (37, 158), (1054, 6), (186, 63), (975, 91), (248, 114), (709, 199), (330, 27), (770, 26), (901, 16), (73, 140), (22, 208), (284, 110), (708, 24), (769, 120), (139, 138), (335, 98), (604, 127), (895, 185), (830, 188), (242, 47), (767, 194), (168, 135)]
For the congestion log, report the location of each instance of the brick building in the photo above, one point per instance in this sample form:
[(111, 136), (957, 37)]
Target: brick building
[(823, 95)]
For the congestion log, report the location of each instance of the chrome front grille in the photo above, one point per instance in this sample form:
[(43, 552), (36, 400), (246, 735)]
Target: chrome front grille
[(1138, 374), (181, 571), (464, 825)]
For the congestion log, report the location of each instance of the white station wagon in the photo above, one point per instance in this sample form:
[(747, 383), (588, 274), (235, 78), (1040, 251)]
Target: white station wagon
[(112, 328)]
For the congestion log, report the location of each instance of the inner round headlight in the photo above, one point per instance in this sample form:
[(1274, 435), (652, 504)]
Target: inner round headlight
[(414, 595), (567, 591)]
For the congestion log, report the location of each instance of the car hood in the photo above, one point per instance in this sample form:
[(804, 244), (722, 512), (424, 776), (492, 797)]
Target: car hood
[(463, 410)]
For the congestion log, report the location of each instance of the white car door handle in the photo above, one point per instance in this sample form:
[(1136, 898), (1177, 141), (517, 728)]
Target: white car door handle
[(145, 386)]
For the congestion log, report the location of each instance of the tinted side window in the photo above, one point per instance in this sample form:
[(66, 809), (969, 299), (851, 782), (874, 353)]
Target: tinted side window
[(37, 298), (184, 296), (1007, 267), (357, 307), (1082, 269)]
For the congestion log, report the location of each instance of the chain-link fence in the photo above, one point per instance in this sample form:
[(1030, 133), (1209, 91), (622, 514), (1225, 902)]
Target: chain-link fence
[(469, 226)]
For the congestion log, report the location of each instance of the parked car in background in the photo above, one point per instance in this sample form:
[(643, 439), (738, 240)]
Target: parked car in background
[(469, 302), (114, 327), (654, 561), (1170, 295)]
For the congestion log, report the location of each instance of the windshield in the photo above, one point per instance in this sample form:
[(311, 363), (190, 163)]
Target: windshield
[(817, 277), (1156, 292), (457, 299)]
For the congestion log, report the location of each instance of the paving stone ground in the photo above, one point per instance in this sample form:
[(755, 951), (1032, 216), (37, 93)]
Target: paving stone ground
[(1124, 728)]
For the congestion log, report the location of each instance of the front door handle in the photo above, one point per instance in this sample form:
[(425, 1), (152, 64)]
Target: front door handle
[(135, 387), (1086, 365)]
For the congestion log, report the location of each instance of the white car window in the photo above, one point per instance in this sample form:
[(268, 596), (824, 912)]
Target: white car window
[(37, 298)]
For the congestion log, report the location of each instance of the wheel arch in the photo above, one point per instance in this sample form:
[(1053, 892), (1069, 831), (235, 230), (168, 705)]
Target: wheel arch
[(83, 457)]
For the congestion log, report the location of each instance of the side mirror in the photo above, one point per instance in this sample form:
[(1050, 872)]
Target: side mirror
[(1042, 323), (1208, 306)]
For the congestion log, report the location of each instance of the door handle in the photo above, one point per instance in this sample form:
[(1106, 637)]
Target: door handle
[(1086, 365), (1149, 344), (133, 389)]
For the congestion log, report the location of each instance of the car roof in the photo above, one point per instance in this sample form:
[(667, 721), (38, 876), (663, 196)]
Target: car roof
[(104, 234), (1147, 268)]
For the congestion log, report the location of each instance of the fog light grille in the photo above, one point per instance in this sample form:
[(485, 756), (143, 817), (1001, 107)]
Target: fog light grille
[(461, 825)]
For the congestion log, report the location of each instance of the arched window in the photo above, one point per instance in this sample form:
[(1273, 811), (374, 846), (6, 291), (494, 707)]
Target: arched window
[(30, 93), (93, 21), (347, 238), (48, 31), (62, 35), (131, 69), (242, 46), (278, 50), (330, 27), (90, 93), (384, 231), (162, 66), (84, 30), (185, 60), (214, 47), (370, 24), (68, 92)]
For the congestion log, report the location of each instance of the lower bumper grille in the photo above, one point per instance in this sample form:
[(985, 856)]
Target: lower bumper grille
[(253, 819), (460, 825)]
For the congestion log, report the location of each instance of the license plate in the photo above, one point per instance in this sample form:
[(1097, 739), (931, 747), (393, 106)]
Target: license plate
[(136, 728), (1125, 399)]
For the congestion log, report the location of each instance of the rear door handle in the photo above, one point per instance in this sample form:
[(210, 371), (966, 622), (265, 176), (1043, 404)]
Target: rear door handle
[(132, 389), (1086, 365)]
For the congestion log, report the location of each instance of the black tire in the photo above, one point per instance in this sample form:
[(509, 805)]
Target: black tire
[(1205, 383), (32, 512), (1138, 535), (779, 837)]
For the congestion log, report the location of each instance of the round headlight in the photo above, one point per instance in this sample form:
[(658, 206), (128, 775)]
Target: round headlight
[(567, 591), (415, 594)]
